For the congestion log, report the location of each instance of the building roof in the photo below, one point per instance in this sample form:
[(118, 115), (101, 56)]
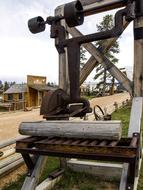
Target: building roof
[(20, 88), (41, 87), (16, 88)]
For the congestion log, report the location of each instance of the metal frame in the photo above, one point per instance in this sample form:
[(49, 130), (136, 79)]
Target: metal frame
[(135, 88)]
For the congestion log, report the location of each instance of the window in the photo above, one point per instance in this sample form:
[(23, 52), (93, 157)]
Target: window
[(10, 97), (20, 96)]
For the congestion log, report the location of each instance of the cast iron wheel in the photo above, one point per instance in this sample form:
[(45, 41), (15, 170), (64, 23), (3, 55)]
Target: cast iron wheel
[(98, 113)]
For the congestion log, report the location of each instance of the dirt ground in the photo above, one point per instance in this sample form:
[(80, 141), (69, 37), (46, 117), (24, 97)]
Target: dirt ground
[(10, 121)]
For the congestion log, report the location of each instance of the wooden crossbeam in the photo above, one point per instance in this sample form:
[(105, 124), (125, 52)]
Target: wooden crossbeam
[(92, 62), (101, 59), (97, 6)]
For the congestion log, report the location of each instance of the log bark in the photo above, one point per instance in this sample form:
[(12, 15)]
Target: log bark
[(108, 130)]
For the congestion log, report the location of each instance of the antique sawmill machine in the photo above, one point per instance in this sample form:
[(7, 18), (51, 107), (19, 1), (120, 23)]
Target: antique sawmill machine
[(88, 140)]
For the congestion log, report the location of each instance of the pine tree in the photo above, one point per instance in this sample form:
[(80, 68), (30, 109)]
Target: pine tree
[(1, 85), (102, 74), (82, 57), (6, 85)]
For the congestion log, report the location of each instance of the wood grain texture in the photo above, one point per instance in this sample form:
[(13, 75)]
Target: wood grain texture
[(109, 130)]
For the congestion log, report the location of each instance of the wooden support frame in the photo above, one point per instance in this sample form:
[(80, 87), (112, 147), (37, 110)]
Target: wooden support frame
[(32, 179), (100, 58)]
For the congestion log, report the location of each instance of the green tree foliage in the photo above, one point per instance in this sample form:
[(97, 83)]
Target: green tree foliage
[(103, 75), (6, 85), (1, 85), (82, 57)]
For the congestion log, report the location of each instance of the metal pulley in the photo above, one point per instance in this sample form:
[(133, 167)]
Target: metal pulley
[(73, 14), (36, 25)]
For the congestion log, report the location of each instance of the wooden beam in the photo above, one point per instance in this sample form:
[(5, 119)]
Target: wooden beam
[(136, 116), (63, 63), (48, 183), (31, 182), (107, 130), (100, 58), (101, 170), (138, 60), (98, 6), (92, 62), (124, 176)]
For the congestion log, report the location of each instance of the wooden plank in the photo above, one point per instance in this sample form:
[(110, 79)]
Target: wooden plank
[(124, 176), (107, 64), (108, 130), (101, 170), (98, 6), (48, 184), (136, 116)]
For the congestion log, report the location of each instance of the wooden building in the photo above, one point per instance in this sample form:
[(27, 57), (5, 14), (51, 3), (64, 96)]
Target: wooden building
[(22, 96)]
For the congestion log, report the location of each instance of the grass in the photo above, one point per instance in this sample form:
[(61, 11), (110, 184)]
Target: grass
[(89, 97), (52, 164), (81, 181), (123, 114)]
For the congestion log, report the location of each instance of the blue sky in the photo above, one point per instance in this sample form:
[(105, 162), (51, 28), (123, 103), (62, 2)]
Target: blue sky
[(23, 53)]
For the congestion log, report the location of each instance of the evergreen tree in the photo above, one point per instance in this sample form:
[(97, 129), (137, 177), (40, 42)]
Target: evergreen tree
[(6, 85), (102, 74), (82, 57), (1, 85)]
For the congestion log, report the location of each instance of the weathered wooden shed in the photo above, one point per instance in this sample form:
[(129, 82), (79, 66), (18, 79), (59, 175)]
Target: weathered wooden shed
[(26, 95)]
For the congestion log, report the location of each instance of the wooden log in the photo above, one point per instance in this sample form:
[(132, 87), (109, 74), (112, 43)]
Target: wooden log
[(9, 142), (109, 130), (9, 160), (11, 167), (7, 153)]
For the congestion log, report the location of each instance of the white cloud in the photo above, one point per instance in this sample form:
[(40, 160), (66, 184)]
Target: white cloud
[(23, 53), (24, 56)]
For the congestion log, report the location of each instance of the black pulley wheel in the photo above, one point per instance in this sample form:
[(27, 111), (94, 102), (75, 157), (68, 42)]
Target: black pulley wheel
[(36, 25), (98, 113), (73, 14)]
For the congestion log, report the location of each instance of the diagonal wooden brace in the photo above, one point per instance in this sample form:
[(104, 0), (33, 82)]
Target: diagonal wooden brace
[(98, 58), (31, 182)]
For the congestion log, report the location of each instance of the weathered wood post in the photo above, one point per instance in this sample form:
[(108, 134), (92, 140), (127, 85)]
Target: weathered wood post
[(138, 50), (63, 64), (63, 69)]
